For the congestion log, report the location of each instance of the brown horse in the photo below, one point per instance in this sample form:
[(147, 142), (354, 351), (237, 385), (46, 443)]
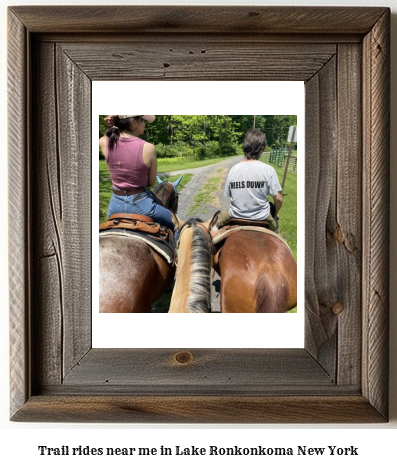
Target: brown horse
[(132, 275), (192, 290), (258, 273)]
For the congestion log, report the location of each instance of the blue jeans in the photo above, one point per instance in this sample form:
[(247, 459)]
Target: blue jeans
[(142, 203)]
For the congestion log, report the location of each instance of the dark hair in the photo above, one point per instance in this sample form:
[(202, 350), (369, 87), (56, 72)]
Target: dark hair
[(254, 144), (113, 133)]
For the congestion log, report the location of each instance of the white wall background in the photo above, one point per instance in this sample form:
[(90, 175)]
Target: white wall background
[(376, 443)]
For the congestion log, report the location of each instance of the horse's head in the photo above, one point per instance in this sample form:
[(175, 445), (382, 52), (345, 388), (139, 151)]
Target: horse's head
[(167, 193)]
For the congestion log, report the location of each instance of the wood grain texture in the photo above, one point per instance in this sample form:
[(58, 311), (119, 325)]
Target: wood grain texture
[(228, 57), (376, 149), (333, 231), (74, 147), (19, 227), (321, 276), (199, 19), (341, 375), (346, 228), (62, 223), (198, 409), (207, 369), (48, 301)]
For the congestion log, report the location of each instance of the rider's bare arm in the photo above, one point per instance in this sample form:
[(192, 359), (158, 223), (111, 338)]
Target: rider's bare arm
[(102, 145), (149, 157), (278, 201)]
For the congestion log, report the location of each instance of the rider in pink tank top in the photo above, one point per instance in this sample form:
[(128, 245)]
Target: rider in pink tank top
[(132, 164), (126, 166)]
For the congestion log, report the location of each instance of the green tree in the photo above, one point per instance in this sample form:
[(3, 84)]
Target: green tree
[(102, 125), (246, 122), (277, 127), (224, 130)]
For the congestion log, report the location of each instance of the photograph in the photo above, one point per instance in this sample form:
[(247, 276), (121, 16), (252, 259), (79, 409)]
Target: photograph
[(185, 198)]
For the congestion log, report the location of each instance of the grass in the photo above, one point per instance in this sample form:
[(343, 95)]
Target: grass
[(206, 193), (175, 164), (288, 212)]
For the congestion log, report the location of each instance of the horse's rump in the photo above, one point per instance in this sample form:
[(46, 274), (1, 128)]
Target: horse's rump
[(136, 258), (131, 274), (258, 273)]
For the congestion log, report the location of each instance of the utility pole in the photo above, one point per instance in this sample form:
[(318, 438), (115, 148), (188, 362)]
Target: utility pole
[(292, 139), (254, 121)]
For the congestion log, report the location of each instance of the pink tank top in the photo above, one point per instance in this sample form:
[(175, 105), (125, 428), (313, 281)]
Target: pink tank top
[(126, 166)]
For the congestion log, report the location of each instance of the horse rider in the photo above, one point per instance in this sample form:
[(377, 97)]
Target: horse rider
[(249, 184), (132, 164)]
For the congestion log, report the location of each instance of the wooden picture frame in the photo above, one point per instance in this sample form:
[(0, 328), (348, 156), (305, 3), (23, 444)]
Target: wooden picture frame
[(342, 54)]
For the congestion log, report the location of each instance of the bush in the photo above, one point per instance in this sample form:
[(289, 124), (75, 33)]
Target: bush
[(171, 150), (226, 149), (212, 149), (209, 149), (165, 151)]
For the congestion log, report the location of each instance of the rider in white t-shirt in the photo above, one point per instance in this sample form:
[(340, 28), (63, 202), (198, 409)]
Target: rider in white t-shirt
[(249, 185)]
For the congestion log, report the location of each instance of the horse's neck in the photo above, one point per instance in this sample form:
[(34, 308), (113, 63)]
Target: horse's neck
[(181, 290)]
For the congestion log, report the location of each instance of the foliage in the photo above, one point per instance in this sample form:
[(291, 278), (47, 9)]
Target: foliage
[(166, 151), (277, 128), (199, 137), (102, 125)]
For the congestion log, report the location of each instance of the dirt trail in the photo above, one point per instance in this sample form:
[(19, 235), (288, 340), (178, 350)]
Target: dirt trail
[(201, 176), (206, 210)]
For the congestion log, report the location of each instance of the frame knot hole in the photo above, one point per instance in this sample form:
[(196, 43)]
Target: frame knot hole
[(183, 358), (337, 308), (339, 235)]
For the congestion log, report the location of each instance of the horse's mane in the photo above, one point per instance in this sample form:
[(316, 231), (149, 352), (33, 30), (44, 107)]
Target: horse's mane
[(199, 299)]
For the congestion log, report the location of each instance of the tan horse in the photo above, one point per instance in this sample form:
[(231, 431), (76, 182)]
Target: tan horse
[(192, 290), (258, 273)]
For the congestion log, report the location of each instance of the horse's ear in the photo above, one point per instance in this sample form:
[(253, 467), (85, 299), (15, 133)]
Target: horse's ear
[(178, 181), (159, 180), (212, 222)]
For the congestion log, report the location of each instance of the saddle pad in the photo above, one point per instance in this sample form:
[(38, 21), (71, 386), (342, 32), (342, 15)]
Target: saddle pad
[(226, 231), (164, 247)]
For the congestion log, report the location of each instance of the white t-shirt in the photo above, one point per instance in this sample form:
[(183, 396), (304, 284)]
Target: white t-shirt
[(248, 184)]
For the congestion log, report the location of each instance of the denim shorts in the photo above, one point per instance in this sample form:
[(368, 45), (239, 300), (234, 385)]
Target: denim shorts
[(141, 203)]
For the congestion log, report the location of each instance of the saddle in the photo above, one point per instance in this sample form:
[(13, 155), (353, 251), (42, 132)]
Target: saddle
[(159, 237), (135, 222), (247, 222)]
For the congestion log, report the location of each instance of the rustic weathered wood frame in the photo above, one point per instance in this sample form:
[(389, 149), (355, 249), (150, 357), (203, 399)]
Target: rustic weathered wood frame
[(343, 56)]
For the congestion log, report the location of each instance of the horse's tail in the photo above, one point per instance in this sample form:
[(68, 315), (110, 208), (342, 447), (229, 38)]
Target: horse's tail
[(271, 293)]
